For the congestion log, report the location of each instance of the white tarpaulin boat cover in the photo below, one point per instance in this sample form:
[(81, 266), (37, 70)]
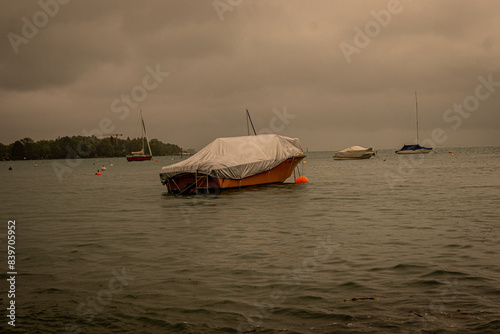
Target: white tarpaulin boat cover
[(354, 152), (237, 157)]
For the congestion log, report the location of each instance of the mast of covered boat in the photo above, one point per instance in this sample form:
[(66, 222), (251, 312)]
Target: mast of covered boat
[(416, 113), (249, 119)]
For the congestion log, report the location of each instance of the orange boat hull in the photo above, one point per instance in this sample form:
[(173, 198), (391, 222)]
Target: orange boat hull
[(190, 183)]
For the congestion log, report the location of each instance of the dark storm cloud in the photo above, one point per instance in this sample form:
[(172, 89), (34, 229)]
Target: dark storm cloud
[(261, 56)]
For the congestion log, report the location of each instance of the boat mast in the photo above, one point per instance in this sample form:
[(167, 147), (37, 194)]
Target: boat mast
[(416, 112), (248, 125), (248, 128), (142, 133), (145, 134)]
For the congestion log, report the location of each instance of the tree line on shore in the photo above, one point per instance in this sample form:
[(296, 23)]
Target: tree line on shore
[(81, 147)]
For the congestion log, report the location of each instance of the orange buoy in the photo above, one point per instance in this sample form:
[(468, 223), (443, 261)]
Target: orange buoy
[(302, 179), (156, 160), (450, 151)]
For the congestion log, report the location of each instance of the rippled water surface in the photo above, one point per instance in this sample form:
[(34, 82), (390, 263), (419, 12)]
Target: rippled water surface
[(415, 238)]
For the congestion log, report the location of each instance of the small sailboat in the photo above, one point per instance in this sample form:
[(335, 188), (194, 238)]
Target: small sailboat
[(140, 155), (416, 148)]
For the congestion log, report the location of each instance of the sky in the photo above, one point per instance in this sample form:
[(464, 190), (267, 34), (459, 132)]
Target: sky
[(332, 73)]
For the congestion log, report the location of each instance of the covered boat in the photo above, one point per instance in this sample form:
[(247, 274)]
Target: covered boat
[(235, 162), (413, 149), (354, 152)]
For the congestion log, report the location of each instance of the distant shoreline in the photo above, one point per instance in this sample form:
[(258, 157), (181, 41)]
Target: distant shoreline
[(80, 147)]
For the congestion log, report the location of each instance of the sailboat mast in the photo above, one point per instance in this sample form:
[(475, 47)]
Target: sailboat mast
[(145, 135), (416, 113), (142, 132)]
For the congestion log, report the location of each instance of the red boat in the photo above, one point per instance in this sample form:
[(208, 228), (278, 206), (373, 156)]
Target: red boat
[(138, 157)]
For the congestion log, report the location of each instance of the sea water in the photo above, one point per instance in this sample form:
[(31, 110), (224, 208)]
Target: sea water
[(393, 244)]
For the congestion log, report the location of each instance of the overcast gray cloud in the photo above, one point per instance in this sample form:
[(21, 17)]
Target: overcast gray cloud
[(73, 69)]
